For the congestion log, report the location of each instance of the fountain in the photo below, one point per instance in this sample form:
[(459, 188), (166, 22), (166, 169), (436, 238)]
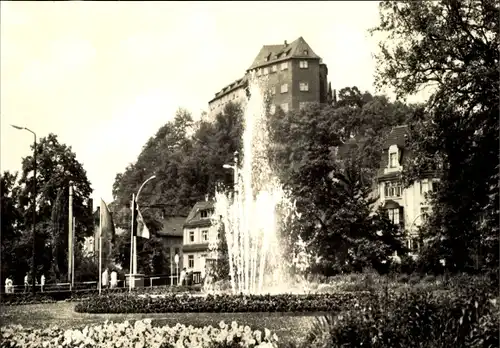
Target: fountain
[(257, 213)]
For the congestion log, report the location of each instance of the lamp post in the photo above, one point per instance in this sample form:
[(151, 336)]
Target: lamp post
[(134, 266), (33, 264)]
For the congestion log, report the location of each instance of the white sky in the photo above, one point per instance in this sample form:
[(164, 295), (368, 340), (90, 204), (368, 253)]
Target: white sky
[(104, 76)]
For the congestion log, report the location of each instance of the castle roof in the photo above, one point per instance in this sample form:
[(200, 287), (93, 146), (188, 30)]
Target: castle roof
[(275, 53)]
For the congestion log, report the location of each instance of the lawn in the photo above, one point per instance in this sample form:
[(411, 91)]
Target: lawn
[(288, 326)]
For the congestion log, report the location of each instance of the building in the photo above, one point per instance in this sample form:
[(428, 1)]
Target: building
[(295, 75), (171, 236), (199, 237), (407, 207)]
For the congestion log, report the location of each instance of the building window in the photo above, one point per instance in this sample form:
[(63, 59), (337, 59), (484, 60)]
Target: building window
[(424, 187), (266, 71), (191, 261), (272, 109), (435, 186), (393, 159), (424, 211), (394, 215), (274, 68), (413, 244), (204, 235), (303, 64), (284, 66), (284, 107), (284, 88), (191, 236), (204, 214), (304, 86), (303, 105), (306, 52), (259, 72), (393, 189)]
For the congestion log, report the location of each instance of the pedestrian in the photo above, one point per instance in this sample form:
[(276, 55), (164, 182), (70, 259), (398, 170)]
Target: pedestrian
[(11, 286), (105, 278), (114, 279), (7, 285), (42, 282), (26, 283), (183, 277)]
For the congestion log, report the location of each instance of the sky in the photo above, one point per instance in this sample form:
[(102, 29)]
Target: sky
[(104, 76)]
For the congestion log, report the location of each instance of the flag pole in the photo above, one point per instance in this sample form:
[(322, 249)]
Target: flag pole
[(100, 249), (131, 243), (73, 255)]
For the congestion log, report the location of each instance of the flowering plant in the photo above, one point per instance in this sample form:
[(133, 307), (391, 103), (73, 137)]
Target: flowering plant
[(139, 335)]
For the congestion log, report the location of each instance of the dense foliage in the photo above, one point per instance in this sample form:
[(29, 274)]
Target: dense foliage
[(139, 334), (57, 166), (412, 319), (328, 156), (452, 47)]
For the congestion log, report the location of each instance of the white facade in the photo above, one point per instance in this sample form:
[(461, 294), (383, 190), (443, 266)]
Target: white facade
[(216, 106), (199, 245)]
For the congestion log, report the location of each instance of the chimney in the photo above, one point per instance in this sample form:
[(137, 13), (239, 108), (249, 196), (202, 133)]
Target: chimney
[(286, 44)]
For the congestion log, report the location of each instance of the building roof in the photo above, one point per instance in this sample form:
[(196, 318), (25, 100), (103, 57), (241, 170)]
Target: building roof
[(194, 218), (172, 226), (397, 136), (231, 87), (275, 53)]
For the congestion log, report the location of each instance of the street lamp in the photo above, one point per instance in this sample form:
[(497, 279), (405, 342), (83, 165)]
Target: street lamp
[(133, 261), (33, 270)]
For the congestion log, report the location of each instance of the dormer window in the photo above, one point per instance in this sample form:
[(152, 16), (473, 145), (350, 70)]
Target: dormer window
[(393, 156), (204, 214), (306, 52)]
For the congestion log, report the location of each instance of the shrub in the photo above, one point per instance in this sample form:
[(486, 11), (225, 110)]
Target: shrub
[(139, 334), (124, 303), (412, 319)]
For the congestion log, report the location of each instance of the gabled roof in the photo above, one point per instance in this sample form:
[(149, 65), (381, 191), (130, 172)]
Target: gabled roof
[(172, 226), (194, 217), (231, 87), (275, 53), (397, 137)]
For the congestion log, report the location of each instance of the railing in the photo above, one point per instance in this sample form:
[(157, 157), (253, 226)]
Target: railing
[(152, 281)]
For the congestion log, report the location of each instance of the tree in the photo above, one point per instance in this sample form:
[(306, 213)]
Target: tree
[(13, 253), (57, 166), (328, 158), (451, 46)]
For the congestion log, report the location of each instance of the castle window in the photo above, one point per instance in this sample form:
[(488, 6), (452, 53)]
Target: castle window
[(204, 235), (191, 261), (303, 64), (393, 159), (284, 88), (284, 107), (306, 52), (284, 66), (424, 187), (266, 71), (204, 214), (304, 86), (259, 72), (191, 236), (274, 68), (272, 109)]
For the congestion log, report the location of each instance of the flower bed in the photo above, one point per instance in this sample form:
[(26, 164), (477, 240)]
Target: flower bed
[(125, 303), (140, 334)]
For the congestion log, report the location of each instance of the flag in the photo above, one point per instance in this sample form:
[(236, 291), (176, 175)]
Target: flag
[(142, 229), (107, 232), (108, 228)]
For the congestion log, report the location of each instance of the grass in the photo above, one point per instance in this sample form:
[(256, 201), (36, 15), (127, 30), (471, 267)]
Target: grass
[(288, 326)]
